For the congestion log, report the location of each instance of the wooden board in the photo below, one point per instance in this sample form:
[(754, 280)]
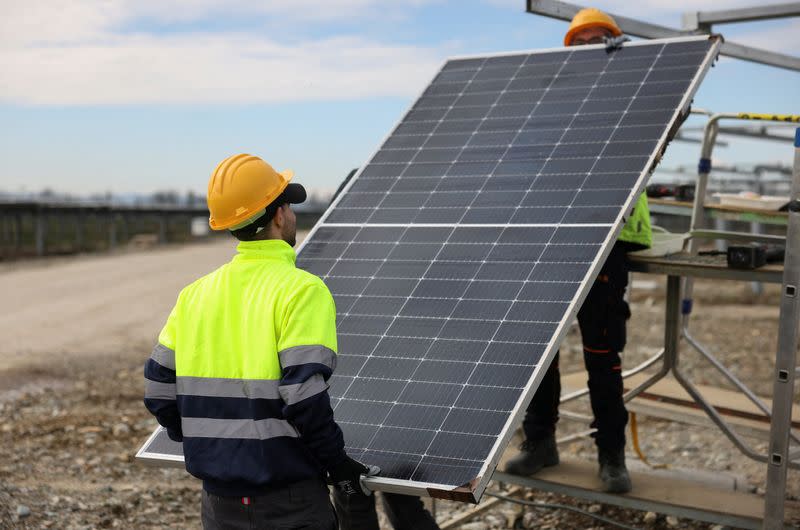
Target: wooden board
[(715, 261), (667, 399), (663, 494)]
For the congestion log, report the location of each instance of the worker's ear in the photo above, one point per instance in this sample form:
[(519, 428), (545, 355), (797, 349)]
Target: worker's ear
[(278, 219)]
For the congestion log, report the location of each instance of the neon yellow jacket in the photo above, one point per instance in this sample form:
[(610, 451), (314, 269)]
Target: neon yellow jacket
[(637, 229), (240, 373)]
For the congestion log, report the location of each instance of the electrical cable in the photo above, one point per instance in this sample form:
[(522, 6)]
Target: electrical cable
[(561, 507), (637, 449)]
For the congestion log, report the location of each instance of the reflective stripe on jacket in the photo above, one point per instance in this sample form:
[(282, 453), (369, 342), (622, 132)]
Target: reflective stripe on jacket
[(637, 230), (240, 373)]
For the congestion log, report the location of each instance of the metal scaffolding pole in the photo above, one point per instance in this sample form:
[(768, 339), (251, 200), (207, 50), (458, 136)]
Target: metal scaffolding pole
[(785, 362), (704, 19), (637, 28)]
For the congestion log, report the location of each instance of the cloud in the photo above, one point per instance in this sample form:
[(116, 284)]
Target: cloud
[(84, 53), (212, 68)]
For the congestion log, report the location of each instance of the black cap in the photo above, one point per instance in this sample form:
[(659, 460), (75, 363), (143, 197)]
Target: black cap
[(294, 194)]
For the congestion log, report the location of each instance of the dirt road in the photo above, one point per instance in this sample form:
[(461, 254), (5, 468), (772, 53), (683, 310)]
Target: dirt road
[(96, 305)]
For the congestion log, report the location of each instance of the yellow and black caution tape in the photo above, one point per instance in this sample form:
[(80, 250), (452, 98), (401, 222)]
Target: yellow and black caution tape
[(792, 118), (637, 449)]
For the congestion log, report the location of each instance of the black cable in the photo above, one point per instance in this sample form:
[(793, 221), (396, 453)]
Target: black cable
[(561, 507)]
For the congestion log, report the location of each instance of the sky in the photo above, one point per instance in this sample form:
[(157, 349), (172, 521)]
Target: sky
[(134, 96)]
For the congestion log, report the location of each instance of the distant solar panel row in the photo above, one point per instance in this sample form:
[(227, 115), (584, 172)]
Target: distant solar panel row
[(459, 253)]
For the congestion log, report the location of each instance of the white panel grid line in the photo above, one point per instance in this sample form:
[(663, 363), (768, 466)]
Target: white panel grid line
[(525, 343), (667, 94), (588, 127), (457, 361), (443, 407), (469, 225), (457, 319), (422, 429), (570, 114), (477, 461), (431, 382)]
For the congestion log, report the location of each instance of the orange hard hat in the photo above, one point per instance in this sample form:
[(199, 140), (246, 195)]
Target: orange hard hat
[(590, 18), (240, 188)]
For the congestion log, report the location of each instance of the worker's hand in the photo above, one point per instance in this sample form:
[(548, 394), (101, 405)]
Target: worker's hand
[(615, 43), (346, 476)]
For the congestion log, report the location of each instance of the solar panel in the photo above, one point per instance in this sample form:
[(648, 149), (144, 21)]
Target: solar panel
[(460, 252)]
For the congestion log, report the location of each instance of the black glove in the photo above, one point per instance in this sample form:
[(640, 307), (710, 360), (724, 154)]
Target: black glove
[(615, 43), (346, 476)]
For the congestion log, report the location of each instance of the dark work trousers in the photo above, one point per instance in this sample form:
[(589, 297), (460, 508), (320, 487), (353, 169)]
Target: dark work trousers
[(602, 320), (405, 512), (302, 505)]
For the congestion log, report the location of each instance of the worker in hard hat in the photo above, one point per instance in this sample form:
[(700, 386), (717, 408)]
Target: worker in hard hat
[(602, 322), (240, 370)]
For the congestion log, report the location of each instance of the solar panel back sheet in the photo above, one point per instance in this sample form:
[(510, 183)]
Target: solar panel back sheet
[(458, 255)]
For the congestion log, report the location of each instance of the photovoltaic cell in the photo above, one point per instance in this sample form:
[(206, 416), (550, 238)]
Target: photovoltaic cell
[(460, 251), (526, 162)]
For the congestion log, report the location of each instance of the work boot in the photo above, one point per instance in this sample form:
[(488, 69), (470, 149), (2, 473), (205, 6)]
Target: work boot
[(533, 456), (613, 472)]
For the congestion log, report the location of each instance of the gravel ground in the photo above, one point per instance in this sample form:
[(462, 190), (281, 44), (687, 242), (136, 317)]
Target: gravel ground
[(69, 427)]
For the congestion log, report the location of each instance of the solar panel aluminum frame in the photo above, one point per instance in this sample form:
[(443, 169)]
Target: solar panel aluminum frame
[(146, 456), (473, 490)]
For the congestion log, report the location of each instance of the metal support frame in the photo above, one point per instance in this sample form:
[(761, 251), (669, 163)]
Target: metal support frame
[(780, 425), (565, 11), (786, 363), (678, 311), (709, 140), (703, 20)]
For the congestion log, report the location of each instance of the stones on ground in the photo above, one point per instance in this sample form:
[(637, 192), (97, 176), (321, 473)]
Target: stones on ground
[(495, 520), (672, 521), (594, 508), (120, 429), (530, 520), (477, 525), (650, 517), (23, 511)]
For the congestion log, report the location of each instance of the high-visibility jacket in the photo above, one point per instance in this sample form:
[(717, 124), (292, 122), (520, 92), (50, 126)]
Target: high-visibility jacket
[(240, 373), (637, 229)]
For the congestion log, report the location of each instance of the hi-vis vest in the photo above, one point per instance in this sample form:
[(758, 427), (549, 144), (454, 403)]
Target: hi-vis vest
[(252, 345), (637, 229)]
